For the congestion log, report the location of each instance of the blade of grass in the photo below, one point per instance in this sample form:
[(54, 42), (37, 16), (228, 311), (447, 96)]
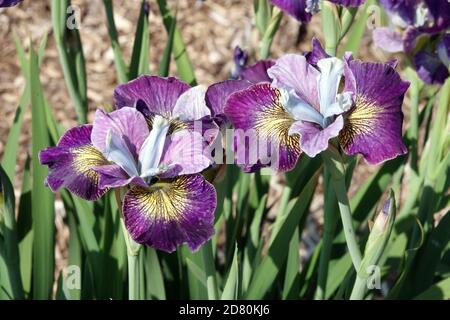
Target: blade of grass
[(42, 198), (184, 66), (25, 229), (139, 58), (270, 266), (121, 67), (10, 280)]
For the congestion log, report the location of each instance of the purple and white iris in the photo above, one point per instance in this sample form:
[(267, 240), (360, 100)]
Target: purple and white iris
[(304, 107), (409, 20), (147, 146)]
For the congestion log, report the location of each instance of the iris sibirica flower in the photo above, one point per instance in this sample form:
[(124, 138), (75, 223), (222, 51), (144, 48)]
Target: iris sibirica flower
[(303, 10), (148, 148), (433, 66), (306, 105), (410, 19), (9, 3)]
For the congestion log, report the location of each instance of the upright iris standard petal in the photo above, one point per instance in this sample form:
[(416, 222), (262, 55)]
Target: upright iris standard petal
[(262, 129), (373, 127), (257, 72), (171, 213), (217, 95), (71, 164), (317, 53), (9, 3), (152, 148), (297, 8), (156, 95), (191, 105), (127, 123), (293, 72)]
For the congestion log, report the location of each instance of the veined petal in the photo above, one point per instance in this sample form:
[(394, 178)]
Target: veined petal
[(218, 93), (158, 94), (261, 128), (184, 154), (152, 148), (292, 71), (127, 123), (373, 127), (171, 213), (314, 139), (331, 70), (191, 105), (71, 164)]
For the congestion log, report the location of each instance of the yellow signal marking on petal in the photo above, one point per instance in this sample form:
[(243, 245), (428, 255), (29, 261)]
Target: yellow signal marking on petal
[(85, 158), (274, 122), (361, 120), (175, 125), (163, 201)]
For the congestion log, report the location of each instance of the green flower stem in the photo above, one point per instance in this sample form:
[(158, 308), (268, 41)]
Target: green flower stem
[(133, 251), (359, 289), (329, 228), (209, 263), (266, 41), (335, 165), (331, 27)]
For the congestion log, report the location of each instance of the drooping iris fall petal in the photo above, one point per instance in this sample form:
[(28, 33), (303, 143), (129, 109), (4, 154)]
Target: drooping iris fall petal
[(171, 213), (262, 129), (373, 127), (71, 164)]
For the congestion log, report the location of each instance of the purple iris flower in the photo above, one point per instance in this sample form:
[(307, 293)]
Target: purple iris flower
[(9, 3), (303, 10), (432, 67), (303, 108), (408, 20), (157, 157)]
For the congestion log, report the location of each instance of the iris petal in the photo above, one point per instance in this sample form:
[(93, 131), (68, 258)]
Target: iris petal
[(71, 164), (152, 148), (331, 70), (117, 151), (171, 213)]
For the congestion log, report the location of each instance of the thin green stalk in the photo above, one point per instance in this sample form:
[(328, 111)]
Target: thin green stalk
[(331, 27), (359, 289), (133, 277), (74, 83), (210, 272), (121, 67), (266, 41), (133, 251), (329, 227), (335, 165)]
